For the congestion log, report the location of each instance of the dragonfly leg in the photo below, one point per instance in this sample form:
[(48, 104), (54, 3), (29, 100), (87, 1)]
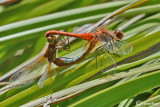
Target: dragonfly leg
[(102, 47), (68, 44), (64, 43)]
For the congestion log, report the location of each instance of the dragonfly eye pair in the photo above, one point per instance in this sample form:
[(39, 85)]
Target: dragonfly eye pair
[(118, 34)]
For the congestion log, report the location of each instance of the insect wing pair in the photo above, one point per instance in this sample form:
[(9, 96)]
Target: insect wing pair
[(29, 74)]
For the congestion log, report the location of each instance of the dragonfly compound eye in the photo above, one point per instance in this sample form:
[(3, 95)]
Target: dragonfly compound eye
[(118, 34)]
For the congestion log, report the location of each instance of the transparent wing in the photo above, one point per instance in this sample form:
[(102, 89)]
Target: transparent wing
[(48, 72), (43, 77), (104, 58), (119, 47), (107, 59), (28, 74)]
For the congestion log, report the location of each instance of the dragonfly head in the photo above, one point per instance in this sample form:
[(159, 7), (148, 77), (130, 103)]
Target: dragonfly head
[(118, 35), (51, 39)]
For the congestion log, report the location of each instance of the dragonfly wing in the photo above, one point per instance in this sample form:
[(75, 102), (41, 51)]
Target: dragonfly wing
[(44, 76), (125, 47), (111, 58), (42, 79), (27, 75), (119, 47), (107, 58)]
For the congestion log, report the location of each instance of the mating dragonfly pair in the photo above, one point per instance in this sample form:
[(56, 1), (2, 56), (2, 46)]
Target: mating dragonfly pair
[(109, 42)]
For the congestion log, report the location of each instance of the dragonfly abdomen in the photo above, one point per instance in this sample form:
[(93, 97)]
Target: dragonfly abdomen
[(85, 36), (64, 61)]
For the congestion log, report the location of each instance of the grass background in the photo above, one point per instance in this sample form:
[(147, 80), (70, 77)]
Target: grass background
[(22, 28)]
